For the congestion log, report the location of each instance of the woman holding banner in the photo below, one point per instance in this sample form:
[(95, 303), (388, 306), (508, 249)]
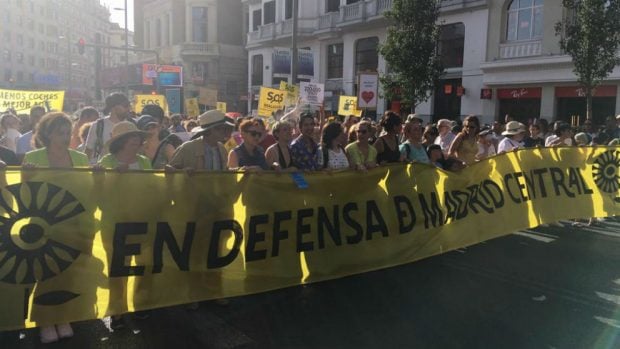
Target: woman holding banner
[(248, 156), (363, 155), (387, 144), (465, 145), (332, 155), (279, 154), (124, 146), (52, 137)]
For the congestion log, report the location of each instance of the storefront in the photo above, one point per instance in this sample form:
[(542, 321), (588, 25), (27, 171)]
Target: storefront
[(448, 99), (571, 102), (522, 103)]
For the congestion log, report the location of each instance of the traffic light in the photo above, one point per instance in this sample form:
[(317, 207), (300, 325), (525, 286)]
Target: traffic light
[(80, 45)]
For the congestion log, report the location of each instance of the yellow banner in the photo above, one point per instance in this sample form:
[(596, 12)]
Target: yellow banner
[(270, 101), (221, 106), (292, 93), (191, 107), (142, 101), (22, 101), (77, 245), (347, 105)]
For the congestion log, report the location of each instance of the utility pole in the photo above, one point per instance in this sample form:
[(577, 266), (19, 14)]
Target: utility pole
[(294, 43), (126, 51)]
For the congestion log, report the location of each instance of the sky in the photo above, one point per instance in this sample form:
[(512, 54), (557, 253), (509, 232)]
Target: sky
[(119, 16)]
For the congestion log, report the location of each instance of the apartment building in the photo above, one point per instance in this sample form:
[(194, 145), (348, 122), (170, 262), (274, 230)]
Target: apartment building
[(501, 56), (39, 46), (205, 37)]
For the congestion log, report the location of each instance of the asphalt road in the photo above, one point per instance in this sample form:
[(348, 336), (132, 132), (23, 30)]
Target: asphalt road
[(543, 288)]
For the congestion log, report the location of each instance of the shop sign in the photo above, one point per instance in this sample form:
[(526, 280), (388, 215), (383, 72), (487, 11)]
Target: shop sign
[(577, 91), (519, 93)]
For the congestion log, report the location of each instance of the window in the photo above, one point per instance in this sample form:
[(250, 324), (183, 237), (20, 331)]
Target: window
[(288, 9), (451, 45), (332, 6), (524, 20), (270, 12), (349, 2), (256, 19), (199, 24), (19, 57), (335, 61), (366, 55), (257, 70)]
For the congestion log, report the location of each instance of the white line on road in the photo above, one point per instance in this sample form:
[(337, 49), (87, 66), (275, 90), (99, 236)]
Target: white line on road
[(602, 232), (539, 233), (534, 236)]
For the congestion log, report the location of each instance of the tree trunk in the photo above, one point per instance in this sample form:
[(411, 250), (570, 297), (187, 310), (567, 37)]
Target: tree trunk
[(588, 103)]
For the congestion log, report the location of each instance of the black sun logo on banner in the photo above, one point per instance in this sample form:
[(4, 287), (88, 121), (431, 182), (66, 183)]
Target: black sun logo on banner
[(28, 211), (605, 172)]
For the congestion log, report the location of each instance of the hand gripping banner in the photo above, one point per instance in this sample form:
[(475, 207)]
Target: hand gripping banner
[(77, 245)]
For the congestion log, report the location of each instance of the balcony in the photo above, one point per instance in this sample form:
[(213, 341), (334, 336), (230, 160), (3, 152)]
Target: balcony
[(520, 49), (198, 49), (354, 13)]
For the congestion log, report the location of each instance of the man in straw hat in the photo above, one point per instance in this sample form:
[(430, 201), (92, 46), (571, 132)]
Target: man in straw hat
[(206, 150)]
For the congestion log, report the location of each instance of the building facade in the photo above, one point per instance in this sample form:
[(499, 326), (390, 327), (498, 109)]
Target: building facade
[(501, 56), (39, 48), (205, 37)]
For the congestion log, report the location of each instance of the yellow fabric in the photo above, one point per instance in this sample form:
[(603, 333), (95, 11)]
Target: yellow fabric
[(22, 101), (108, 243)]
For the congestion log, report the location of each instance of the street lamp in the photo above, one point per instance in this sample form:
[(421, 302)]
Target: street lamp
[(126, 48)]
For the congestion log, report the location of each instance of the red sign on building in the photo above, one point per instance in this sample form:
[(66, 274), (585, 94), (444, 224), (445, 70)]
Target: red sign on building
[(577, 91), (486, 93), (519, 92)]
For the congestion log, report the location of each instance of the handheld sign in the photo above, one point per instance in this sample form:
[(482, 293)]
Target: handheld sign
[(270, 101), (367, 91), (312, 93)]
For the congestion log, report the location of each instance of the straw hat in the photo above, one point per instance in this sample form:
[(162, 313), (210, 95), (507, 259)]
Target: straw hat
[(513, 128), (209, 120), (121, 131)]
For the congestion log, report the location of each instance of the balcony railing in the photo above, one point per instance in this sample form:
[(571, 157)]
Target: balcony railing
[(198, 49), (520, 49)]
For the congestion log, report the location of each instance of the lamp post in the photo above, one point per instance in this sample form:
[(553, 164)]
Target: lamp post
[(126, 48)]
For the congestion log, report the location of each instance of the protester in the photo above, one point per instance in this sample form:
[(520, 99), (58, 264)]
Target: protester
[(535, 138), (24, 142), (589, 129), (563, 135), (304, 150), (514, 135), (267, 139), (52, 137), (429, 135), (279, 154), (445, 137), (249, 155), (206, 149), (176, 125), (86, 116), (117, 107), (158, 113), (435, 155), (497, 128), (611, 128), (581, 139), (350, 121), (125, 144), (83, 132), (465, 144), (9, 125), (387, 144), (362, 155), (412, 149), (486, 145), (332, 155)]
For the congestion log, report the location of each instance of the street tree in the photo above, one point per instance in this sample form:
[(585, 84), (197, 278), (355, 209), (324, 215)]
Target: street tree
[(590, 34), (411, 51)]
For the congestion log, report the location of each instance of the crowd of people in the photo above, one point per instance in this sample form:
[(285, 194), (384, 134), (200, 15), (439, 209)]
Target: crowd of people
[(295, 141)]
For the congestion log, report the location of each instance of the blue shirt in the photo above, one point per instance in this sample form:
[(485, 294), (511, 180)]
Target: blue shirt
[(23, 144), (302, 157)]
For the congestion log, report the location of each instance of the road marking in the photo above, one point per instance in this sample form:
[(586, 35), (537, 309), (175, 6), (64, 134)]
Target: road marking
[(534, 236), (602, 232), (613, 224)]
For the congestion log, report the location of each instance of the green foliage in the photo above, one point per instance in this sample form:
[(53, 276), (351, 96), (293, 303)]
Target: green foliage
[(411, 50), (591, 35)]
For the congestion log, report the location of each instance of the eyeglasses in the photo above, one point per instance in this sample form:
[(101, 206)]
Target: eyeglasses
[(362, 131), (255, 134), (471, 127)]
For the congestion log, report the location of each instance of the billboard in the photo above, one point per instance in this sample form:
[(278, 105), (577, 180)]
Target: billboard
[(168, 75)]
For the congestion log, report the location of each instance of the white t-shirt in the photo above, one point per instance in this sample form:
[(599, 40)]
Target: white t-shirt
[(337, 160), (10, 138), (507, 145), (91, 139), (445, 141)]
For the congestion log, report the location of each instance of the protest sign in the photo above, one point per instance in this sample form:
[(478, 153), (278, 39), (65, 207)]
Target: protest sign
[(292, 93), (207, 96), (368, 85), (348, 106), (270, 100), (312, 93), (142, 101), (221, 106), (22, 101), (191, 107)]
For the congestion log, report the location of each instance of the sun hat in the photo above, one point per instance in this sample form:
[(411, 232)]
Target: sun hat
[(146, 121), (122, 131), (211, 119), (513, 128)]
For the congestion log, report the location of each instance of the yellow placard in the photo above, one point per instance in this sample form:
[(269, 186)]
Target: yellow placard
[(191, 107), (221, 106), (207, 96), (22, 101), (270, 100), (347, 105), (78, 245), (292, 93), (141, 101)]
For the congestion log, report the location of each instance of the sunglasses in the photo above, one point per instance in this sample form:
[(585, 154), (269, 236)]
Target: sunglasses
[(362, 131), (255, 134), (471, 127)]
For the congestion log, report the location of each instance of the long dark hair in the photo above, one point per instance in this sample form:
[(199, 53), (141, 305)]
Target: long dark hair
[(330, 132)]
